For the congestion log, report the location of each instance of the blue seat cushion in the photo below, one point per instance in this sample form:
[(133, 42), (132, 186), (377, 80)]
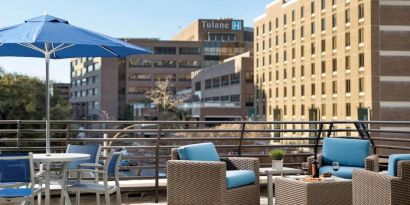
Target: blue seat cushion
[(343, 172), (15, 192), (237, 178), (348, 152), (393, 161), (199, 152)]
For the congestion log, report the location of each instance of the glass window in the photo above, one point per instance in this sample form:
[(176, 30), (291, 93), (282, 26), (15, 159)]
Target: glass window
[(347, 85), (97, 66), (189, 51), (334, 42), (302, 90), (184, 77), (139, 76), (312, 28), (165, 50), (348, 110), (164, 77), (323, 24), (293, 15), (165, 64), (323, 67), (284, 19), (323, 4), (216, 82), (137, 90), (302, 31), (323, 109), (225, 80), (323, 46), (249, 77), (302, 51), (312, 7), (334, 109), (302, 12), (235, 78), (313, 88), (216, 99), (334, 21), (361, 84), (347, 62), (302, 70), (347, 39), (197, 86), (139, 63), (323, 88), (90, 68), (334, 87), (189, 64), (312, 68), (334, 65), (361, 11), (347, 16), (361, 60), (225, 98), (361, 35), (235, 98), (208, 83)]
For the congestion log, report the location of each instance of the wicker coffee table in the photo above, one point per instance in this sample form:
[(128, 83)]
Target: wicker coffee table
[(295, 191)]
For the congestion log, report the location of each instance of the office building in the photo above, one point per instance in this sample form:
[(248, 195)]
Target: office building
[(333, 60), (224, 91), (118, 86)]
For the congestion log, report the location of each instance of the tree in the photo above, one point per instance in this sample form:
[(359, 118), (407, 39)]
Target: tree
[(23, 98), (163, 96)]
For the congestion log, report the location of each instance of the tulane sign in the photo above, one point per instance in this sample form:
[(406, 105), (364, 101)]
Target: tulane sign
[(235, 25)]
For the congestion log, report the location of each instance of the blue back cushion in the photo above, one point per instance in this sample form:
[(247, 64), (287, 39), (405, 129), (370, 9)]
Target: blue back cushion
[(17, 170), (112, 166), (92, 150), (199, 152), (393, 161), (348, 152)]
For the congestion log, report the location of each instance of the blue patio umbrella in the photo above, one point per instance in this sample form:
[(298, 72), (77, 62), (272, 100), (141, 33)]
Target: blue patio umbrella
[(50, 37)]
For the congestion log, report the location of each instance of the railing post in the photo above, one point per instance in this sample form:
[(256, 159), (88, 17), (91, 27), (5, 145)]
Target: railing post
[(18, 135), (157, 163), (319, 133), (105, 144), (241, 139), (67, 134)]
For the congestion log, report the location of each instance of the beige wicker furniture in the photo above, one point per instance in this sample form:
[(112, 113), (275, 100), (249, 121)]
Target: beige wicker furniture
[(370, 188), (200, 182), (269, 172), (290, 191)]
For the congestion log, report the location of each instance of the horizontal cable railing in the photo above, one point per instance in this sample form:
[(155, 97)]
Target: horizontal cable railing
[(148, 143)]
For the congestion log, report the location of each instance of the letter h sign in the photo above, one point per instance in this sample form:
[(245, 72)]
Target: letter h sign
[(236, 25)]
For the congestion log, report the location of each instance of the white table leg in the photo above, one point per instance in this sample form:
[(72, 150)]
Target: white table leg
[(270, 190), (47, 184)]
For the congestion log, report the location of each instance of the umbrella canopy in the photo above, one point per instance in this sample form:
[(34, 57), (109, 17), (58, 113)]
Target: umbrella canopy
[(50, 37)]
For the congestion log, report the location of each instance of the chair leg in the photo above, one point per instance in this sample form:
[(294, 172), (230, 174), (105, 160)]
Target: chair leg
[(77, 197), (67, 198), (98, 198), (39, 198), (118, 196), (107, 199), (62, 198)]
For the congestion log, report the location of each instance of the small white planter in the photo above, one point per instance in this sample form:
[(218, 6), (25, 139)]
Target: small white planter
[(277, 164)]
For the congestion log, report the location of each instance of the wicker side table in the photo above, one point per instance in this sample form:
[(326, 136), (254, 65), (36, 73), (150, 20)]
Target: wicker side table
[(290, 191)]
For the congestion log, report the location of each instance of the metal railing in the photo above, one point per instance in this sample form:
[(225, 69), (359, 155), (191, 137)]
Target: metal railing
[(148, 143)]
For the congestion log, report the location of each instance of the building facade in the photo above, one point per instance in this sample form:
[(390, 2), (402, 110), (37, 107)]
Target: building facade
[(224, 91), (117, 87), (333, 60)]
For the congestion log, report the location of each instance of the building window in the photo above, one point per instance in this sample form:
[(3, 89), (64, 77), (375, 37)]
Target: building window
[(293, 53), (302, 12), (302, 110), (312, 68), (139, 76), (235, 78), (208, 83), (323, 46), (293, 112), (165, 50), (302, 51), (285, 92), (263, 29), (334, 21), (270, 59), (302, 31), (143, 63), (277, 92), (165, 64), (323, 4), (312, 7), (312, 28), (285, 110), (277, 22), (270, 93), (277, 75), (334, 87), (270, 25), (225, 98), (334, 109), (323, 67), (348, 110), (277, 57), (276, 40), (312, 48), (225, 80), (302, 90), (323, 24), (293, 91), (347, 85), (313, 88), (293, 15), (189, 51), (347, 62), (284, 56), (323, 88), (184, 77), (257, 31), (293, 34), (285, 74), (361, 11), (270, 76), (334, 2), (347, 39), (334, 65), (347, 16), (189, 64), (235, 98), (323, 109), (284, 19), (302, 70), (284, 37), (361, 35), (334, 42), (361, 60), (216, 82), (270, 43), (293, 72), (249, 77), (361, 84)]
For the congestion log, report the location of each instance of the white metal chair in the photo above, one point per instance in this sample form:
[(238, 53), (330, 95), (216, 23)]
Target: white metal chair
[(109, 169), (17, 178)]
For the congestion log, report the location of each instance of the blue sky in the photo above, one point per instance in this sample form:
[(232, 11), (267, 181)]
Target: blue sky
[(119, 18)]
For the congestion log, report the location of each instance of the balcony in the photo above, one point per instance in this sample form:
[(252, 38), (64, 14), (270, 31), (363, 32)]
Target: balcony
[(148, 144)]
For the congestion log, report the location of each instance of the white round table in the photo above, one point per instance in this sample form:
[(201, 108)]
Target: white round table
[(52, 158)]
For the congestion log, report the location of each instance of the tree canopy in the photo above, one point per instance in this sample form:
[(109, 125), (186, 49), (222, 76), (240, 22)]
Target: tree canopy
[(23, 98)]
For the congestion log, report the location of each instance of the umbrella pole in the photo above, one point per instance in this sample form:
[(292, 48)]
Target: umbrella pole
[(48, 146)]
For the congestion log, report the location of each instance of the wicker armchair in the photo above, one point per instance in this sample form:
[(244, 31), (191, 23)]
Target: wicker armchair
[(371, 188), (201, 182)]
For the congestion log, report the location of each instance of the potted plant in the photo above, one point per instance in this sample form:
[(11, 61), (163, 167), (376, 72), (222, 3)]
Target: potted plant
[(277, 158)]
